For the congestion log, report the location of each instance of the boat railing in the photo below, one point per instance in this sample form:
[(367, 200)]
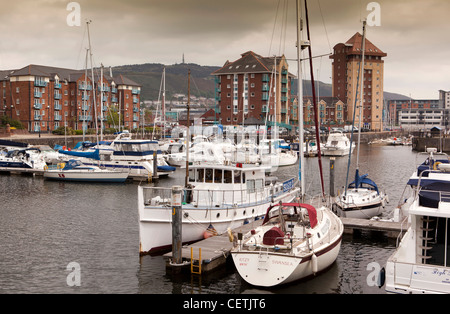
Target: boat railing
[(210, 198)]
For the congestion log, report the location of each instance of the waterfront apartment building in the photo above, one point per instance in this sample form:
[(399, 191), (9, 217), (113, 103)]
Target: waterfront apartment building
[(44, 98), (346, 67), (418, 114), (254, 87)]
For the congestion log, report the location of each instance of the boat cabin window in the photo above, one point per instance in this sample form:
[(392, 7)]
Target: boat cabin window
[(250, 186), (208, 175), (192, 173), (259, 184), (217, 175), (227, 176), (237, 177)]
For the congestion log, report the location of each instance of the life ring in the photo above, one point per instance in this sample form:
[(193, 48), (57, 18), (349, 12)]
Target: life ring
[(436, 165)]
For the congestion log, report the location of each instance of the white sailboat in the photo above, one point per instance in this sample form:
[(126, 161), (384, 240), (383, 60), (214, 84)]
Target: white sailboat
[(296, 240), (362, 198), (75, 171)]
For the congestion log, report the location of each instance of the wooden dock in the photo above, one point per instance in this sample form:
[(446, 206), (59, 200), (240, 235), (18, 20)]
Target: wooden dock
[(215, 250), (390, 229)]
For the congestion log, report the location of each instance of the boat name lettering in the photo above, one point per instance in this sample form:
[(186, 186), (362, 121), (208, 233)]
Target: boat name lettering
[(278, 262), (288, 185), (439, 272)]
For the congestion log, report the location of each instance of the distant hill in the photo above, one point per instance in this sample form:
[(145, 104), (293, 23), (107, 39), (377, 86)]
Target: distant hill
[(149, 76), (202, 82)]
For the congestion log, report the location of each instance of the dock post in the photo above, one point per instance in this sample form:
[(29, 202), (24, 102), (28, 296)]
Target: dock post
[(155, 166), (177, 192), (332, 159)]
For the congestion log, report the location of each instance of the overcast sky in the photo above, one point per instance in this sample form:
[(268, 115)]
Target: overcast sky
[(414, 33)]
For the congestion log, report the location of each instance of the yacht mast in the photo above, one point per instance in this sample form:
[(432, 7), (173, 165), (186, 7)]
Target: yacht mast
[(93, 81), (301, 171), (361, 95)]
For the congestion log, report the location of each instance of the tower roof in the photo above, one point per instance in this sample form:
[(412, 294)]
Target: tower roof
[(355, 46)]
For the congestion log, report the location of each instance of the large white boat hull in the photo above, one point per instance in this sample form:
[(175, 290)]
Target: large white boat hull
[(86, 176), (271, 269)]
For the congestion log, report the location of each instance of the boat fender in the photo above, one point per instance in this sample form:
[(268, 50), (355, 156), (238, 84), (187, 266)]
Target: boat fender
[(230, 235), (436, 165), (45, 168), (314, 264)]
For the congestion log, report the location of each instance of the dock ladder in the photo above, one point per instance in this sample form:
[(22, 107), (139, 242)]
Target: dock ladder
[(196, 263)]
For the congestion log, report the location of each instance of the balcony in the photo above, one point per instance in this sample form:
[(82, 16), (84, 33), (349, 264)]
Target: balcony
[(265, 88), (40, 83), (114, 99), (58, 117), (135, 109), (37, 117), (85, 117), (265, 96), (135, 100), (58, 107), (84, 107), (135, 118), (37, 106), (264, 109), (135, 91), (58, 96), (265, 78), (82, 87), (57, 85), (113, 90), (37, 94), (85, 97)]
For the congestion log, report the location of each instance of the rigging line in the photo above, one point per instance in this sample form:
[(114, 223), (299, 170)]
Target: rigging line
[(81, 47), (324, 26), (283, 28), (273, 29), (316, 120)]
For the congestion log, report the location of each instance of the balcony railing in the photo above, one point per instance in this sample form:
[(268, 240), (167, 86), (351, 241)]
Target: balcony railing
[(57, 85), (37, 94), (37, 106), (58, 96), (40, 83)]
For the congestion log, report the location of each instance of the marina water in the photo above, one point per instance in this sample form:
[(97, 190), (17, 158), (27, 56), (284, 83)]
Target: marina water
[(48, 227)]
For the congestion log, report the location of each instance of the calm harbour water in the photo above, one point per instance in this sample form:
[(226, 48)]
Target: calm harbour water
[(46, 225)]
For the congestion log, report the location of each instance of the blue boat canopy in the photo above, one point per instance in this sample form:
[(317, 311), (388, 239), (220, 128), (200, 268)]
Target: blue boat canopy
[(363, 180), (92, 155)]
